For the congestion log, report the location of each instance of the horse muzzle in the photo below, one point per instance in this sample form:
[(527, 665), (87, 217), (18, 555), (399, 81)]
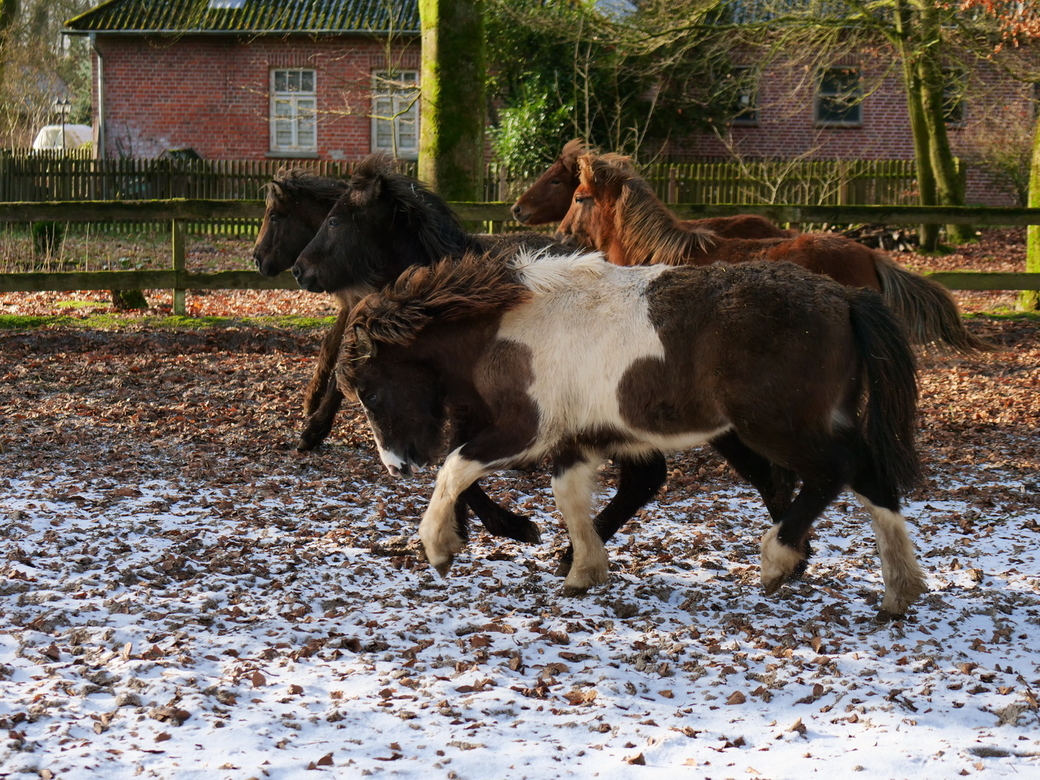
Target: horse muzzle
[(519, 214), (399, 466), (307, 281)]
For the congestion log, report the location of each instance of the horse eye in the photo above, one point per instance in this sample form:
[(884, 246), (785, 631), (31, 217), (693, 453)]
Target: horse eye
[(370, 399), (333, 221), (555, 182)]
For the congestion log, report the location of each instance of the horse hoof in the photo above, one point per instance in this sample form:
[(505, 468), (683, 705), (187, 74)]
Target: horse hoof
[(772, 586), (311, 438), (444, 567), (884, 616), (570, 591), (531, 533), (304, 445)]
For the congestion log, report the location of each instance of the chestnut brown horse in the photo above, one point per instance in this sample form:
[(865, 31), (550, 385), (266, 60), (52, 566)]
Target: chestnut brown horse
[(615, 211), (575, 359), (549, 199)]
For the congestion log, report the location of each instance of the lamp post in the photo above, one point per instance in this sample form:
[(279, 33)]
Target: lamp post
[(62, 105)]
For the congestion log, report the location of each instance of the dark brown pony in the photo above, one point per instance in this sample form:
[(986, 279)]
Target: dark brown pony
[(615, 210), (385, 222), (575, 359), (296, 204), (549, 199)]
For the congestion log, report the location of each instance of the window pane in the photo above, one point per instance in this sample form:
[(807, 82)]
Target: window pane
[(280, 81), (839, 97), (395, 111)]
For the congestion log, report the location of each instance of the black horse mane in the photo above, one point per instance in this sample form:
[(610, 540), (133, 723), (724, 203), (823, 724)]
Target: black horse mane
[(296, 182), (427, 214)]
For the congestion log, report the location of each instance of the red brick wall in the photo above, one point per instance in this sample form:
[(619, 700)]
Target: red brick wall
[(210, 93), (785, 128)]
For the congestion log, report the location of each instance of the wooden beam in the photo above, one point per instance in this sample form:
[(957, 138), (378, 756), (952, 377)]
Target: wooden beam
[(144, 280)]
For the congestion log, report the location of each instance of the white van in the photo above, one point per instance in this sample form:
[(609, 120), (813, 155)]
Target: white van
[(76, 137)]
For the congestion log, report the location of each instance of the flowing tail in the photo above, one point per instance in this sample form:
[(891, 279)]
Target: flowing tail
[(891, 373), (926, 308)]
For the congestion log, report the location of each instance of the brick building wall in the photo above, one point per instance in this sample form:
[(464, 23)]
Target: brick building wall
[(996, 109), (211, 93)]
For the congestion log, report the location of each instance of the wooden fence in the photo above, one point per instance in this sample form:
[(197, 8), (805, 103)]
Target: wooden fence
[(35, 177), (178, 213)]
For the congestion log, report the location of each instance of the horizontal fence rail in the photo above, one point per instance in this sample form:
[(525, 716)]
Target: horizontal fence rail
[(54, 176), (178, 213)]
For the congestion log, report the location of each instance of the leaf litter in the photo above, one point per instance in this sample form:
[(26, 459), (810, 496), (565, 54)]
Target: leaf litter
[(182, 594)]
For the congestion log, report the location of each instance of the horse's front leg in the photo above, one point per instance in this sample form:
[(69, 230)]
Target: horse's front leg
[(573, 483), (638, 482), (438, 532), (328, 354)]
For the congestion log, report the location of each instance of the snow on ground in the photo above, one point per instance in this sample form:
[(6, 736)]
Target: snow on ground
[(188, 626)]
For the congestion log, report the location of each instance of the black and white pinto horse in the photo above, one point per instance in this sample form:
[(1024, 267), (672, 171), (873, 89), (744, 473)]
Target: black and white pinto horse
[(575, 359)]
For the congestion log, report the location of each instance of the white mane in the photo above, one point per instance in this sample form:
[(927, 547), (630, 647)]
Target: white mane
[(542, 271)]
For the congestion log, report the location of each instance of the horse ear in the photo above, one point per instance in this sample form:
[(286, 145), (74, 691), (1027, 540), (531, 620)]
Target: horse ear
[(366, 348), (275, 192), (366, 190), (585, 170)]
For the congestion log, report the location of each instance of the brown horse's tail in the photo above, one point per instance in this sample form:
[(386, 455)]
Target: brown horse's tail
[(890, 417), (926, 308)]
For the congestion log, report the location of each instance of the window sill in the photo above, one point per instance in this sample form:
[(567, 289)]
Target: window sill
[(838, 125), (301, 155)]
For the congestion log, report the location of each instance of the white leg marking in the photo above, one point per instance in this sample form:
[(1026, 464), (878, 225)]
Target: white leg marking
[(904, 580), (573, 492), (778, 560), (437, 529)]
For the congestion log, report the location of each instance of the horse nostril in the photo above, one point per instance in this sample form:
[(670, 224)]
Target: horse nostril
[(518, 213), (297, 272)]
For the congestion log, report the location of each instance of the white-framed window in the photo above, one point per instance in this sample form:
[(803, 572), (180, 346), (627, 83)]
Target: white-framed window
[(294, 110), (839, 98), (742, 82), (395, 113)]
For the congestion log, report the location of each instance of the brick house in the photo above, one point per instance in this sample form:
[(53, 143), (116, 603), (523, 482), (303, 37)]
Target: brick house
[(854, 108), (336, 79), (254, 79)]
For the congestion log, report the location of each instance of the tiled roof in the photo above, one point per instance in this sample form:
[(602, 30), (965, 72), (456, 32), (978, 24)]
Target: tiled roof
[(248, 16)]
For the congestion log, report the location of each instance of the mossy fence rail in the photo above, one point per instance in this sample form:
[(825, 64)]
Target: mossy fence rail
[(179, 213)]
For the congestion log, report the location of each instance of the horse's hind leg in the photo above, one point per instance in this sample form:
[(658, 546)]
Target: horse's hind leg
[(638, 482), (773, 482), (904, 580), (784, 546)]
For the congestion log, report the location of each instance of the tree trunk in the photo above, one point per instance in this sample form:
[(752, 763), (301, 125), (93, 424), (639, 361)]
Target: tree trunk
[(949, 189), (1029, 300), (926, 195), (451, 140)]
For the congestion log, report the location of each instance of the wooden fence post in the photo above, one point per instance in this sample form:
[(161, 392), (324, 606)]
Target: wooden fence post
[(177, 228)]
